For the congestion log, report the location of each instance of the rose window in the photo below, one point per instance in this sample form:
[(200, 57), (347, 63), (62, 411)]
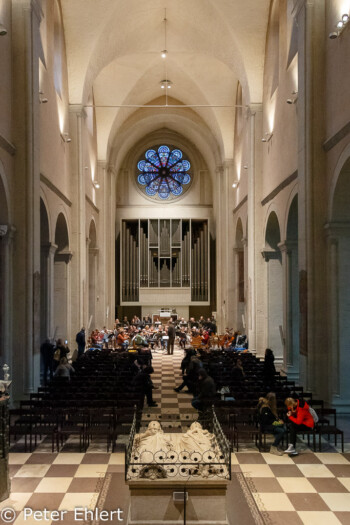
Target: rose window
[(163, 173)]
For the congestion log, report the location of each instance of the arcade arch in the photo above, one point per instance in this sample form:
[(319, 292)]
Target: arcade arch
[(273, 259)]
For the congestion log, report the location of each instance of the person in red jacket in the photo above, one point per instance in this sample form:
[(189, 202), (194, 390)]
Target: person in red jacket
[(299, 419)]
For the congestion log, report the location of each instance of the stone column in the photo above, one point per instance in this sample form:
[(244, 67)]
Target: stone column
[(312, 195), (245, 248), (62, 305), (7, 234), (26, 17), (338, 261), (48, 253), (254, 321), (290, 309), (274, 302), (220, 306), (79, 300)]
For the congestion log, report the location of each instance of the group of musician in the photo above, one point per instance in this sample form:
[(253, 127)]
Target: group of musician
[(135, 333)]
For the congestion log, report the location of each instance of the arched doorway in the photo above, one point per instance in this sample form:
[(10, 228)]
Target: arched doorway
[(292, 296), (61, 279), (273, 259), (92, 277), (339, 288)]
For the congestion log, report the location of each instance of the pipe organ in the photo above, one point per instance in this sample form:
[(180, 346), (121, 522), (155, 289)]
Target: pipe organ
[(165, 253)]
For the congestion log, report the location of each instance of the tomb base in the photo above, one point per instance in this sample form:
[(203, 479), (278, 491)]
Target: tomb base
[(152, 502)]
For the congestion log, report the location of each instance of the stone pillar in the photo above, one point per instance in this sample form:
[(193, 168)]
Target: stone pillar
[(4, 450), (7, 234), (245, 248), (274, 302), (111, 185), (255, 320), (62, 295), (93, 289), (220, 306), (290, 292), (79, 299), (338, 261), (26, 17), (224, 246), (312, 196), (48, 253)]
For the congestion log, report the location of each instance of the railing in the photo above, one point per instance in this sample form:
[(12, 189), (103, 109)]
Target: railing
[(177, 457)]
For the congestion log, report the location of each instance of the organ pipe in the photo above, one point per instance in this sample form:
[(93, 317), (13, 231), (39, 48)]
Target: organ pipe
[(206, 253), (123, 259), (182, 246)]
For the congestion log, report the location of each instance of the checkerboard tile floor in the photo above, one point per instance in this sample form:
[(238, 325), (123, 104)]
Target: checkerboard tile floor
[(311, 488)]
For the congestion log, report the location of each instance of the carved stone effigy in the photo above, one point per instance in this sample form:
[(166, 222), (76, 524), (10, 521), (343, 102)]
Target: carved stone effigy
[(194, 454), (191, 465)]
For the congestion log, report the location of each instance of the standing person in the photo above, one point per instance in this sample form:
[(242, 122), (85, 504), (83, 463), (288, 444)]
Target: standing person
[(269, 369), (47, 351), (270, 422), (299, 419), (81, 341), (171, 340), (144, 381), (207, 392)]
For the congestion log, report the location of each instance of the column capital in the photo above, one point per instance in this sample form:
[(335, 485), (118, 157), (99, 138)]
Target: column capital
[(64, 256), (244, 241), (268, 255), (77, 109), (7, 232), (288, 246), (219, 170), (49, 249), (253, 108), (334, 230), (94, 251)]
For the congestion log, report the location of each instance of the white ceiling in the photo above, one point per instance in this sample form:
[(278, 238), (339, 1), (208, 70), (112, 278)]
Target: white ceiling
[(113, 48)]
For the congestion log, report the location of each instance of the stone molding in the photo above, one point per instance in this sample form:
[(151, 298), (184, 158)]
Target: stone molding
[(55, 190), (7, 146)]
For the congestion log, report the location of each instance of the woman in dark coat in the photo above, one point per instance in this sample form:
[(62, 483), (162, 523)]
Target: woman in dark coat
[(269, 366)]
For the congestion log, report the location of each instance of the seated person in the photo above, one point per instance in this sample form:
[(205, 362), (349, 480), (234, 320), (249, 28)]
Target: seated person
[(299, 419), (270, 422), (122, 339), (237, 372), (64, 369)]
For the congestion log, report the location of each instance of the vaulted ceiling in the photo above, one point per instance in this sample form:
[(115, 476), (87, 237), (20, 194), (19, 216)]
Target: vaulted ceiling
[(113, 52)]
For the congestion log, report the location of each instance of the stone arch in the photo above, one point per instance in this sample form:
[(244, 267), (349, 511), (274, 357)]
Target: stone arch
[(61, 233), (273, 259), (338, 233)]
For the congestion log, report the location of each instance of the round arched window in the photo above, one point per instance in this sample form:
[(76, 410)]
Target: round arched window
[(164, 173)]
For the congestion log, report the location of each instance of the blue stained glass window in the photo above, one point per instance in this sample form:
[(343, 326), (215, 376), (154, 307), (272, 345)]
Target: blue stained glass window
[(163, 173)]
